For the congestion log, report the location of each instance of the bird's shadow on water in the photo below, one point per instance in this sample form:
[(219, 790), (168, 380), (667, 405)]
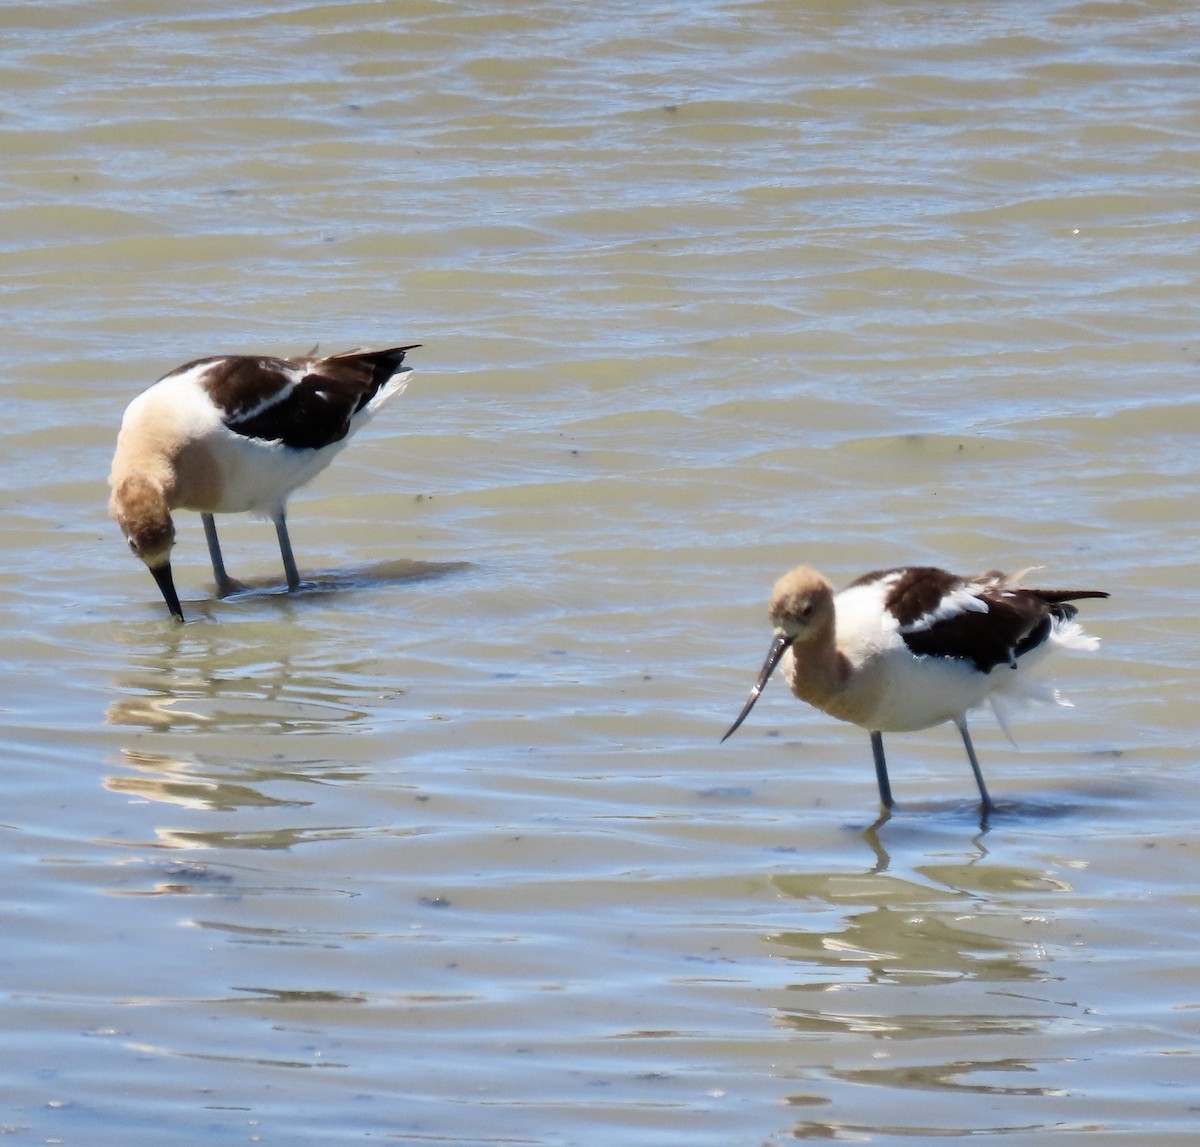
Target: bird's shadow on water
[(319, 583), (919, 819), (397, 571), (1008, 811)]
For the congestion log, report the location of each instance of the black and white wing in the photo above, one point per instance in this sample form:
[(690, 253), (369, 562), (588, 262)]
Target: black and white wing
[(305, 403), (987, 620)]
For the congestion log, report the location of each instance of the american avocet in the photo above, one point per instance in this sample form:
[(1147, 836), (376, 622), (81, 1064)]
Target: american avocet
[(905, 649), (232, 433)]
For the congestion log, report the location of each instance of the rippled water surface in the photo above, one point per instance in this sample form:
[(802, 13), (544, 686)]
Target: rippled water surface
[(444, 849)]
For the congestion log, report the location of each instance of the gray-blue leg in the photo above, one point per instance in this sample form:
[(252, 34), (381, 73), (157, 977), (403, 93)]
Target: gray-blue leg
[(987, 800), (285, 551), (224, 585), (881, 773)]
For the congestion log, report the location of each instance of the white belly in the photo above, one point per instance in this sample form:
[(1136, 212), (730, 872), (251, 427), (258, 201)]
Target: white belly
[(259, 476), (918, 692)]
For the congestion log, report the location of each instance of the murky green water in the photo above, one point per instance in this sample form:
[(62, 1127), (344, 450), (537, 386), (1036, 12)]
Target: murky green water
[(444, 849)]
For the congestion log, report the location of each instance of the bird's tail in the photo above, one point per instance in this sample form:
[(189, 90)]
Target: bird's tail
[(384, 364), (1065, 631)]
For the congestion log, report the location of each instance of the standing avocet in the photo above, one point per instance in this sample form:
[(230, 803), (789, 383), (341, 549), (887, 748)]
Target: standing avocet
[(236, 433), (905, 649)]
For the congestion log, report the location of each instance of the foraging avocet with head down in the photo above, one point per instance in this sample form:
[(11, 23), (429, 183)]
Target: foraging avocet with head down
[(236, 433), (905, 649)]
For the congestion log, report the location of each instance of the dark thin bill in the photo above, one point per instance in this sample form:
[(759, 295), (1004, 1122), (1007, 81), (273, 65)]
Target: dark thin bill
[(778, 648), (166, 583)]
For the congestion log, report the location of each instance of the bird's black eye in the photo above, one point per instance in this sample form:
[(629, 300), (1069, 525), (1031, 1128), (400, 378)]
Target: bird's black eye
[(806, 612), (132, 544)]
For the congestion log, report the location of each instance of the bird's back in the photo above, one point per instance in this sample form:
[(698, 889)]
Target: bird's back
[(304, 403), (235, 433), (925, 646)]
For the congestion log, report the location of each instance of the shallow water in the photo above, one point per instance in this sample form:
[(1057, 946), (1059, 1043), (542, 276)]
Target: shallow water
[(444, 848)]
